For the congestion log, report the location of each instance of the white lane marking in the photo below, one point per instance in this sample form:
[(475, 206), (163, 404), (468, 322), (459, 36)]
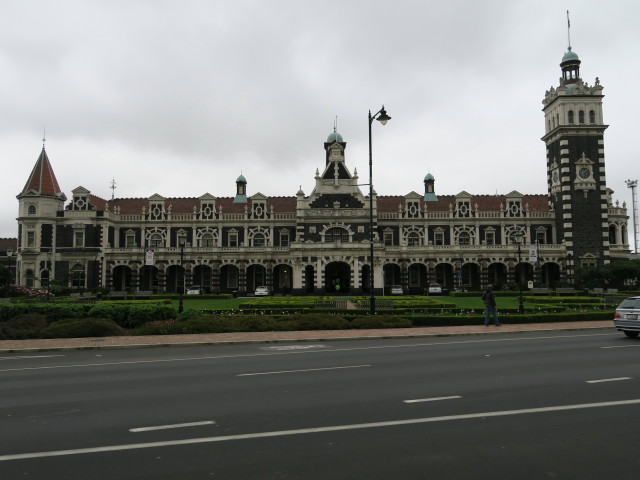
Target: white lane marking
[(334, 428), (297, 371), (434, 399), (608, 380), (300, 352), (621, 346), (176, 425), (285, 348)]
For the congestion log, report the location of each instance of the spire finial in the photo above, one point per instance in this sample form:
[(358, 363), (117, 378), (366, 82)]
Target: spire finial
[(335, 125), (568, 30), (113, 188), (44, 135)]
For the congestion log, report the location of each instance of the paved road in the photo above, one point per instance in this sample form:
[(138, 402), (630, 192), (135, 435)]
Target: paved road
[(520, 405)]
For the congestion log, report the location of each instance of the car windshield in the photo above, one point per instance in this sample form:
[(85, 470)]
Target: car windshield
[(630, 303)]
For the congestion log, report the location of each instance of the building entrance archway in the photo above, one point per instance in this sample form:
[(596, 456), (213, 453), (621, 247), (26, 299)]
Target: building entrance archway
[(337, 277)]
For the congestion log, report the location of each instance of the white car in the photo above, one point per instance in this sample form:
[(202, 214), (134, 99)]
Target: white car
[(261, 291), (627, 317), (435, 289), (396, 290), (195, 290)]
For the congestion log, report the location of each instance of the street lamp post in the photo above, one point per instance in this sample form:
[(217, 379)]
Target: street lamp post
[(49, 265), (182, 272), (383, 118), (518, 238)]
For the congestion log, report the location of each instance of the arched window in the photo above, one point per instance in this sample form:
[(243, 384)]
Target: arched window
[(32, 210), (612, 235), (581, 116), (592, 116), (259, 240), (413, 239), (156, 240), (464, 238), (336, 234), (570, 116), (206, 240)]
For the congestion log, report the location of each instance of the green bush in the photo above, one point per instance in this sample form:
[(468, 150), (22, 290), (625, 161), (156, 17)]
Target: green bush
[(82, 327), (380, 321), (11, 310), (23, 326), (141, 314), (116, 312), (312, 321)]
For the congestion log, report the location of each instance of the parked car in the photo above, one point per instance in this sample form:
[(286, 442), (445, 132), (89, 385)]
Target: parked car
[(434, 289), (627, 317), (195, 290), (396, 290), (261, 291)]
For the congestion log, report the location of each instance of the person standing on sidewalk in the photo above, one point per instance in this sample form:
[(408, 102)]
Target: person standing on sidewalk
[(489, 299)]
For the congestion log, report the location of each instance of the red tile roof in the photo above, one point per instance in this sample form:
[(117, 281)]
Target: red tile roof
[(484, 202), (42, 179), (388, 204)]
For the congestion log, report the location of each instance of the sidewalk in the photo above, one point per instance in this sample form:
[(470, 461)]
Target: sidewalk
[(40, 345)]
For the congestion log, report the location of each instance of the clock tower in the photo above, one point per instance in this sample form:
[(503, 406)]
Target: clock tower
[(574, 137)]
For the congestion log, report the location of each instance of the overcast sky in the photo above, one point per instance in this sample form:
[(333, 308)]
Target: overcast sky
[(180, 97)]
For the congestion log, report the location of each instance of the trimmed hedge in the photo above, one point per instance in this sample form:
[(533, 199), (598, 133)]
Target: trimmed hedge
[(23, 326), (81, 328)]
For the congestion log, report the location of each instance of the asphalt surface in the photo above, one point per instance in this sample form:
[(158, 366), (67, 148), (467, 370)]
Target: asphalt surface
[(558, 402)]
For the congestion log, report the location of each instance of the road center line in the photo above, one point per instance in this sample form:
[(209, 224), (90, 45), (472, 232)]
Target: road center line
[(167, 427), (334, 428), (621, 346), (434, 399), (297, 371), (609, 380)]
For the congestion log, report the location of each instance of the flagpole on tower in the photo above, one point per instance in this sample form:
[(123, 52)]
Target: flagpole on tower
[(568, 30)]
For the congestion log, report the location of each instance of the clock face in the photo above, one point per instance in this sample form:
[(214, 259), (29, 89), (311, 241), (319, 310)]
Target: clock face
[(584, 173)]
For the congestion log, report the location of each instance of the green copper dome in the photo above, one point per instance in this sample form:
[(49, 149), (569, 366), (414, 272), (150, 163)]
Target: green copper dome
[(570, 56), (241, 179), (334, 137)]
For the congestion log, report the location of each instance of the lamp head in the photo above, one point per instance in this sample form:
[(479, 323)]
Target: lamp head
[(9, 252), (383, 118)]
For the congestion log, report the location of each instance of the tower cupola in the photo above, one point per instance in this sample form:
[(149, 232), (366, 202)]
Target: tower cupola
[(570, 68), (241, 190)]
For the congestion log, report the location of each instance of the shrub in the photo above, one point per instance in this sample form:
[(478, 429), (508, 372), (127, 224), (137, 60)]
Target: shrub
[(11, 310), (313, 321), (380, 321), (82, 327), (26, 325), (116, 312), (141, 314)]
